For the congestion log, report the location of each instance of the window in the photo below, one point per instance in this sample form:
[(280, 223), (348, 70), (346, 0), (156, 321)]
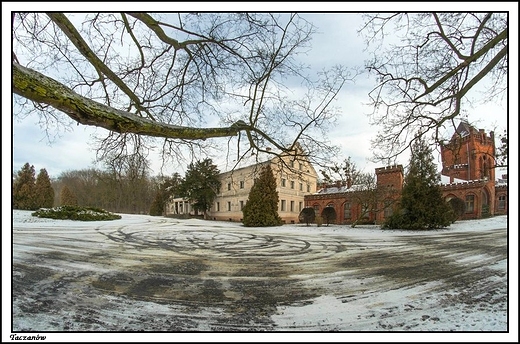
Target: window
[(470, 203), (283, 182), (292, 206), (241, 205), (301, 166), (229, 186), (388, 209), (283, 205), (218, 206), (241, 184), (300, 206), (501, 202), (308, 188), (229, 206), (301, 186), (346, 211), (292, 184)]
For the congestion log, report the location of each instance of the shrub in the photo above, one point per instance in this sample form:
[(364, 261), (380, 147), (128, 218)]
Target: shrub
[(329, 215), (457, 207), (69, 212), (307, 215)]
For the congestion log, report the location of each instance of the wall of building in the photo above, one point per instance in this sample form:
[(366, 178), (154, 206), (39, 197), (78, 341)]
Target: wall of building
[(501, 200), (295, 179), (351, 204), (479, 197)]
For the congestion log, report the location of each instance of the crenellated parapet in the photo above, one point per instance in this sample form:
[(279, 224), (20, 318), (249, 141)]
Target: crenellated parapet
[(464, 185), (390, 169)]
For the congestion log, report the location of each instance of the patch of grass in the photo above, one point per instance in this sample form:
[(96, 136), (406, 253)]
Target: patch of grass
[(69, 212)]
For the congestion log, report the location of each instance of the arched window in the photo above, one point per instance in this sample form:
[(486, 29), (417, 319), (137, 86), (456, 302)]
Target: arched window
[(470, 203), (346, 211), (486, 167)]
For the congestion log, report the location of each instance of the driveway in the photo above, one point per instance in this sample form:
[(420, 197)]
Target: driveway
[(144, 273)]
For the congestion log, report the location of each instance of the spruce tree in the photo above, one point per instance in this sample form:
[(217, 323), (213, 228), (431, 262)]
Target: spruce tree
[(43, 190), (201, 185), (261, 209), (24, 196), (422, 205), (67, 197)]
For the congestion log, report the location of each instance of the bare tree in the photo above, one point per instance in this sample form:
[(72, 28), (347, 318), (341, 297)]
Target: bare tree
[(180, 77), (371, 197), (347, 173), (437, 66)]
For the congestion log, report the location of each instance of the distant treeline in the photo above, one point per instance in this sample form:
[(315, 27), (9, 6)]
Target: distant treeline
[(116, 192)]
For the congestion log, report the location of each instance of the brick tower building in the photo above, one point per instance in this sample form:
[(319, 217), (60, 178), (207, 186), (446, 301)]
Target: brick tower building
[(470, 154), (468, 161), (468, 173)]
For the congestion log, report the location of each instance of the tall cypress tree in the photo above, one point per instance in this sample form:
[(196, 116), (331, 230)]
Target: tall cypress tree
[(261, 209), (43, 190), (24, 189), (422, 205)]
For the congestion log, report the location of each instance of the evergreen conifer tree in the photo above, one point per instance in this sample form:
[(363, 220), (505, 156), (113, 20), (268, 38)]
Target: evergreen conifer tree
[(24, 196), (261, 209), (157, 207), (422, 205), (43, 190), (201, 184), (67, 197)]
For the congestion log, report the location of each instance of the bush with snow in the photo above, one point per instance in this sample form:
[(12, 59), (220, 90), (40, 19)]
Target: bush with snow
[(69, 212)]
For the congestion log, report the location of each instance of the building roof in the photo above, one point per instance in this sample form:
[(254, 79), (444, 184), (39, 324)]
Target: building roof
[(464, 129), (341, 189)]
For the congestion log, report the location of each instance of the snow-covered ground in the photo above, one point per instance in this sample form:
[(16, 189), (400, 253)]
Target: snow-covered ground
[(201, 280)]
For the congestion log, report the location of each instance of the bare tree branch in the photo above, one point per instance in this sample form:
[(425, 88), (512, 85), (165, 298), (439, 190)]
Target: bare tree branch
[(42, 89), (427, 78), (182, 77)]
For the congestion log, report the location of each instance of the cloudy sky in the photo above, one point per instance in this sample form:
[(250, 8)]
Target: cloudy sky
[(337, 42)]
